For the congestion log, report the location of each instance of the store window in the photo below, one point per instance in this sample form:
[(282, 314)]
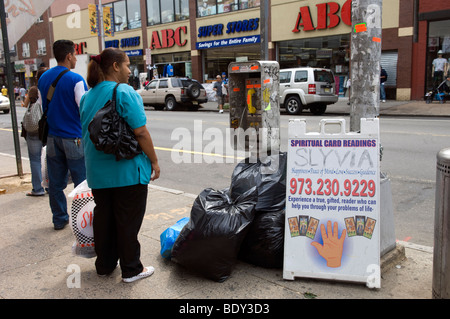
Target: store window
[(181, 10), (211, 7), (331, 52), (127, 14), (438, 51), (217, 60), (165, 11), (134, 14), (181, 63), (153, 12)]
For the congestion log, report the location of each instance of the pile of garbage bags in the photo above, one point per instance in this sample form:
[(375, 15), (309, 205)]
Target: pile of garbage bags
[(244, 221)]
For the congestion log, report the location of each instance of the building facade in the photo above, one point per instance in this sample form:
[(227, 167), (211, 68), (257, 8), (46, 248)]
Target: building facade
[(33, 50), (199, 38)]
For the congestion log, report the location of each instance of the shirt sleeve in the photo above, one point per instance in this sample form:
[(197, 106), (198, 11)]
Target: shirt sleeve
[(130, 106), (80, 90)]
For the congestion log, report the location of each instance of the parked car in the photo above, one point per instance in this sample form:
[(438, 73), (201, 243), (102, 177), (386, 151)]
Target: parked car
[(307, 88), (173, 92), (4, 104)]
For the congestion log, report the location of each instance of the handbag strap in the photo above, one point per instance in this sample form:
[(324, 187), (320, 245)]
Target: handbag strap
[(51, 89), (115, 93)]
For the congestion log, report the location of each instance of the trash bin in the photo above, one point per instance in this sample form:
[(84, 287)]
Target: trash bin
[(441, 258), (254, 106)]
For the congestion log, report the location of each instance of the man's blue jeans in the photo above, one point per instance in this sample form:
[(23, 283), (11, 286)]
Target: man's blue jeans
[(382, 92), (34, 146), (63, 155)]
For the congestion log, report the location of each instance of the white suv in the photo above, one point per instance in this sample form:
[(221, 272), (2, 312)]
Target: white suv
[(307, 88)]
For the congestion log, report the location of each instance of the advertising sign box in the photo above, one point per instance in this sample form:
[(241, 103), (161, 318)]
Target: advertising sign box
[(333, 203)]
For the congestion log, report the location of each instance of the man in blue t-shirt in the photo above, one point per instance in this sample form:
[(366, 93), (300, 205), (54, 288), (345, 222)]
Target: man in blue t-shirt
[(64, 144)]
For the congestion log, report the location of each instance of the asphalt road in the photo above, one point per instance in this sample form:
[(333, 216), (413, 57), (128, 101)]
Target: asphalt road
[(409, 145)]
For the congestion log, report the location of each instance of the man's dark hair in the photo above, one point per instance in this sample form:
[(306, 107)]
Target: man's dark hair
[(62, 48)]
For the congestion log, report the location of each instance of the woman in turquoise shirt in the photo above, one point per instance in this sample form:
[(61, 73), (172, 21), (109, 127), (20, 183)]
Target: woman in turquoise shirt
[(119, 187)]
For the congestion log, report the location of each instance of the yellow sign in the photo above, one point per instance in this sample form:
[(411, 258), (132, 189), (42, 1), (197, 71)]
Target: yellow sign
[(93, 19), (107, 22)]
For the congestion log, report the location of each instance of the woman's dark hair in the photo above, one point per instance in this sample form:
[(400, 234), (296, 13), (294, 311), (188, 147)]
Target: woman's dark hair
[(100, 65), (40, 72), (62, 48)]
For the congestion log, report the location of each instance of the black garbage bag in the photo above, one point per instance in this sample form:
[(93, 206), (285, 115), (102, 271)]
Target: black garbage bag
[(264, 243), (209, 243), (266, 176)]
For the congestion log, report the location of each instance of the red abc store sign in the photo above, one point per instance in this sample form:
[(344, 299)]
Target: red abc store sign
[(168, 39), (327, 16)]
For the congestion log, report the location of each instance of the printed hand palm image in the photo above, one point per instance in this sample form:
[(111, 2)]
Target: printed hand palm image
[(332, 246)]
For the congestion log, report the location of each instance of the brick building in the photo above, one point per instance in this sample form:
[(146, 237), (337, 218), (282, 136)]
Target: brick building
[(33, 50)]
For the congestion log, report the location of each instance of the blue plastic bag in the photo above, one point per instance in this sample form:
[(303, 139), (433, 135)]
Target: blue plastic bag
[(170, 235)]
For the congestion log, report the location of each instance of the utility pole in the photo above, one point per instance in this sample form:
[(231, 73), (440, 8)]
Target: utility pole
[(264, 25), (10, 87), (101, 30), (365, 61)]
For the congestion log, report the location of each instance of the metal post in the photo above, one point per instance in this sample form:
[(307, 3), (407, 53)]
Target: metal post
[(365, 94), (10, 87), (441, 257), (100, 26), (365, 61), (264, 27)]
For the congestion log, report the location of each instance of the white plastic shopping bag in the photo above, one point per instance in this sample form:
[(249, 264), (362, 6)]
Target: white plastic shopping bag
[(44, 170), (81, 221)]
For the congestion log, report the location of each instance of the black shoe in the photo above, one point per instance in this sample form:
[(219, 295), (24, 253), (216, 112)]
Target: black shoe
[(59, 227)]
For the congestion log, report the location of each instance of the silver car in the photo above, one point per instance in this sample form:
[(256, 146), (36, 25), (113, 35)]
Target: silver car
[(307, 88), (173, 92), (4, 104)]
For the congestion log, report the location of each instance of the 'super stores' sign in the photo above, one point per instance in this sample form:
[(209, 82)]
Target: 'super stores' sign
[(234, 27)]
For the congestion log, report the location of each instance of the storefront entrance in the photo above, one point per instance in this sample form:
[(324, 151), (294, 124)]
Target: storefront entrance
[(438, 40), (217, 60), (331, 52)]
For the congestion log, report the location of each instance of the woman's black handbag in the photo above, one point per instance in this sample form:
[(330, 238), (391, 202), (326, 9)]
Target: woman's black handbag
[(111, 134)]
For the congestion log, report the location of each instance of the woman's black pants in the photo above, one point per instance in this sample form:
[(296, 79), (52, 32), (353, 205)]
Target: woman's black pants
[(118, 216)]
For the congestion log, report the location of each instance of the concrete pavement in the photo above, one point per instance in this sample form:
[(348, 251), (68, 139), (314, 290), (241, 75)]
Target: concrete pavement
[(397, 108), (37, 263)]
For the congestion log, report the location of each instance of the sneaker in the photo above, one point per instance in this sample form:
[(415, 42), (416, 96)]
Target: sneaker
[(148, 271), (32, 193), (220, 111), (60, 227), (383, 101)]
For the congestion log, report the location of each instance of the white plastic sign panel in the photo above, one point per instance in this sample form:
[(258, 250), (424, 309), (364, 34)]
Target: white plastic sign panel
[(332, 203)]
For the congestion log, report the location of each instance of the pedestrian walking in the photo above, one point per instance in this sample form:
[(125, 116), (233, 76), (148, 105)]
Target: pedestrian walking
[(64, 145), (120, 188), (383, 79), (348, 87), (34, 144), (23, 93), (217, 87), (16, 92)]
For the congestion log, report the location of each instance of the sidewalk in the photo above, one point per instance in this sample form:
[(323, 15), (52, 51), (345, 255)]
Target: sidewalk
[(37, 261), (397, 108)]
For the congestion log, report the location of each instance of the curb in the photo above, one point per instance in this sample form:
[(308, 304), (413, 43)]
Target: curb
[(392, 258)]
